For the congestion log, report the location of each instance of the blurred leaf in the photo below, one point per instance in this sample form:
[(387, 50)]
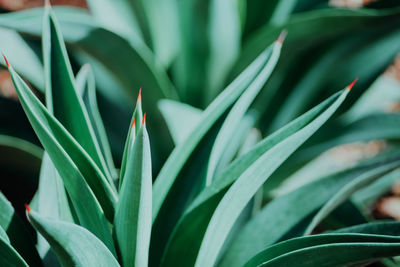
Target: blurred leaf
[(19, 237), (375, 228), (3, 235), (22, 55), (74, 245), (8, 255), (328, 250), (57, 142), (283, 213), (224, 32), (132, 223), (345, 193), (180, 118)]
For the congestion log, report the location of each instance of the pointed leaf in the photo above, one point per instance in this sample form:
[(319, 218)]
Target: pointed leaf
[(18, 234), (57, 141), (244, 188), (132, 223), (73, 245)]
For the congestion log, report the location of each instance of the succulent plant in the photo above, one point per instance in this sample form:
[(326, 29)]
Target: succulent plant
[(225, 196)]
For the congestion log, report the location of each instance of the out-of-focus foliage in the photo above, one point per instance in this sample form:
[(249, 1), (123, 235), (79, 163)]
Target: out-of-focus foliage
[(252, 147)]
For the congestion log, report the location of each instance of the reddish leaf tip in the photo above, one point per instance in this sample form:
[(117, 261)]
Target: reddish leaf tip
[(139, 98), (133, 122), (350, 86), (28, 209), (144, 119), (5, 59), (282, 36), (47, 2)]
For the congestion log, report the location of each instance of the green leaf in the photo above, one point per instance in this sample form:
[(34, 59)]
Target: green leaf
[(181, 118), (9, 257), (86, 86), (375, 228), (18, 234), (249, 182), (283, 213), (23, 57), (233, 119), (61, 148), (224, 43), (52, 201), (179, 156), (132, 223), (328, 250), (61, 95), (4, 236), (73, 245), (345, 193), (132, 132), (194, 222)]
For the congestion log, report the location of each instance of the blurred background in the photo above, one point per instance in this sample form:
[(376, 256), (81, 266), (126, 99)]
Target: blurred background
[(188, 51)]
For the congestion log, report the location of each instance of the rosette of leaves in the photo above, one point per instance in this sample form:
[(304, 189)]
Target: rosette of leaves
[(198, 212)]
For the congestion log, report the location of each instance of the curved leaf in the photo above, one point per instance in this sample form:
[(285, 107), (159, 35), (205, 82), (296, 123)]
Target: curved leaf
[(9, 257), (73, 245), (52, 134), (328, 250)]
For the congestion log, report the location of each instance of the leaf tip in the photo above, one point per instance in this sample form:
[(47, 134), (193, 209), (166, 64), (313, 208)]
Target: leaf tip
[(350, 86), (144, 119), (28, 209), (7, 63), (282, 36), (139, 98), (133, 122)]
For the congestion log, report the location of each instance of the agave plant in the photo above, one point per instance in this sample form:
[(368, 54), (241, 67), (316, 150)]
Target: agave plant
[(198, 211)]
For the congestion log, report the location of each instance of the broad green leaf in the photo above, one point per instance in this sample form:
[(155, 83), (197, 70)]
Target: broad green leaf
[(52, 199), (73, 244), (19, 236), (61, 95), (164, 29), (117, 16), (181, 118), (283, 214), (196, 218), (3, 235), (79, 28), (369, 195), (376, 228), (328, 250), (224, 42), (52, 134), (179, 156), (23, 57), (86, 86), (10, 257), (132, 223), (232, 121), (345, 193), (249, 182)]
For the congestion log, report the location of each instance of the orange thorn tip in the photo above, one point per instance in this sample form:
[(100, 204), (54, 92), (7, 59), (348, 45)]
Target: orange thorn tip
[(47, 2), (144, 119), (282, 36), (350, 86), (133, 122), (139, 98), (5, 59), (28, 209)]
